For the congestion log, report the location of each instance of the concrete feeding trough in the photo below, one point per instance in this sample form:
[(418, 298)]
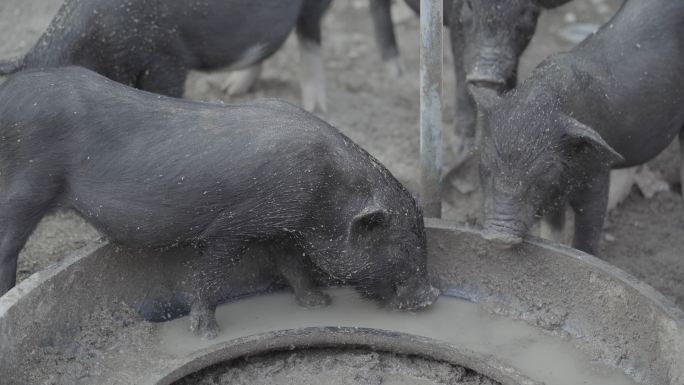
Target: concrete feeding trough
[(55, 318)]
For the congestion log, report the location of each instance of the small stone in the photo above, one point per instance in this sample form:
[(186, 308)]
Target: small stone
[(609, 238)]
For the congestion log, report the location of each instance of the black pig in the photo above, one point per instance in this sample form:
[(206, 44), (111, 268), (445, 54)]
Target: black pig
[(152, 44), (614, 101), (151, 171), (487, 39)]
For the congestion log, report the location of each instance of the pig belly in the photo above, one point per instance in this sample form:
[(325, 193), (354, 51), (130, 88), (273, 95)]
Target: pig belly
[(640, 145), (146, 216), (150, 226), (242, 34)]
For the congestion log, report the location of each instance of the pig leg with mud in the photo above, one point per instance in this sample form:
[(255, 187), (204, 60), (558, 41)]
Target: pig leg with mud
[(27, 196), (294, 266), (312, 71), (590, 205), (214, 264), (385, 37), (466, 110), (553, 225)]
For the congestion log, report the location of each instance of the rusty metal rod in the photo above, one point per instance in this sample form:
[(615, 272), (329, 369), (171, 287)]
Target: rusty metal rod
[(431, 12)]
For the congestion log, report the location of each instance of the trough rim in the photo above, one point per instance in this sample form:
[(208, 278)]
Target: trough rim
[(36, 279), (383, 340), (663, 303)]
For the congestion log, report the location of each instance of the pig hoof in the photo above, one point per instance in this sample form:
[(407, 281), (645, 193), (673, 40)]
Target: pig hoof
[(417, 301), (314, 299), (203, 327)]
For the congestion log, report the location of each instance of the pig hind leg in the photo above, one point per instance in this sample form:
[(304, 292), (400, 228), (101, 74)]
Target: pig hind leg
[(164, 77), (209, 273), (312, 71), (466, 110), (295, 267), (381, 12), (24, 201)]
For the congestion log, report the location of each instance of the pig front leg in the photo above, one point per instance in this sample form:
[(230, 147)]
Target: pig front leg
[(311, 68), (466, 110), (381, 13), (296, 269), (210, 273), (26, 198), (589, 206)]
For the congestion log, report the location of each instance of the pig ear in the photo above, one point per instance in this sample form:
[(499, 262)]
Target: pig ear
[(485, 98), (582, 134), (369, 219)]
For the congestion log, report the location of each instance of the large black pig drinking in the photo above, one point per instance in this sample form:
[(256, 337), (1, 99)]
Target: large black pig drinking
[(152, 44), (157, 172), (614, 101), (487, 39)]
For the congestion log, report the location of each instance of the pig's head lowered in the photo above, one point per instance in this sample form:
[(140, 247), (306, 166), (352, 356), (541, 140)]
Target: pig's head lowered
[(495, 33), (532, 156), (378, 244)]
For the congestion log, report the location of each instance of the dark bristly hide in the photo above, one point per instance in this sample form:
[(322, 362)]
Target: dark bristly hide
[(152, 171), (613, 101)]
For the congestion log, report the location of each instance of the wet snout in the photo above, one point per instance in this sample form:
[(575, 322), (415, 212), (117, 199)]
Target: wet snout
[(486, 80), (490, 70), (414, 294)]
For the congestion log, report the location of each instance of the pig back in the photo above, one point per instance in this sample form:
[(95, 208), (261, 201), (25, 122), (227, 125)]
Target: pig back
[(635, 66)]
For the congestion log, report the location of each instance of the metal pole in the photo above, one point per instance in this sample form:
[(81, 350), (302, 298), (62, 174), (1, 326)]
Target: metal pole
[(431, 12)]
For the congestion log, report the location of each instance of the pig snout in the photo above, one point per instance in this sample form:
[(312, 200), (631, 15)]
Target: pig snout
[(414, 295), (502, 235), (489, 81), (490, 70)]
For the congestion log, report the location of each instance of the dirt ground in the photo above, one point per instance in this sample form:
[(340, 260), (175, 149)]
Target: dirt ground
[(380, 112)]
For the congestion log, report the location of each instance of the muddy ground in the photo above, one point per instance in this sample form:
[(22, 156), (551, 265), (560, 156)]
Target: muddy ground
[(643, 236)]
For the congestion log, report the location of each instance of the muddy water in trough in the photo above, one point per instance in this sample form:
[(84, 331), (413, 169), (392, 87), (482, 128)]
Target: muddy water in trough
[(544, 358)]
